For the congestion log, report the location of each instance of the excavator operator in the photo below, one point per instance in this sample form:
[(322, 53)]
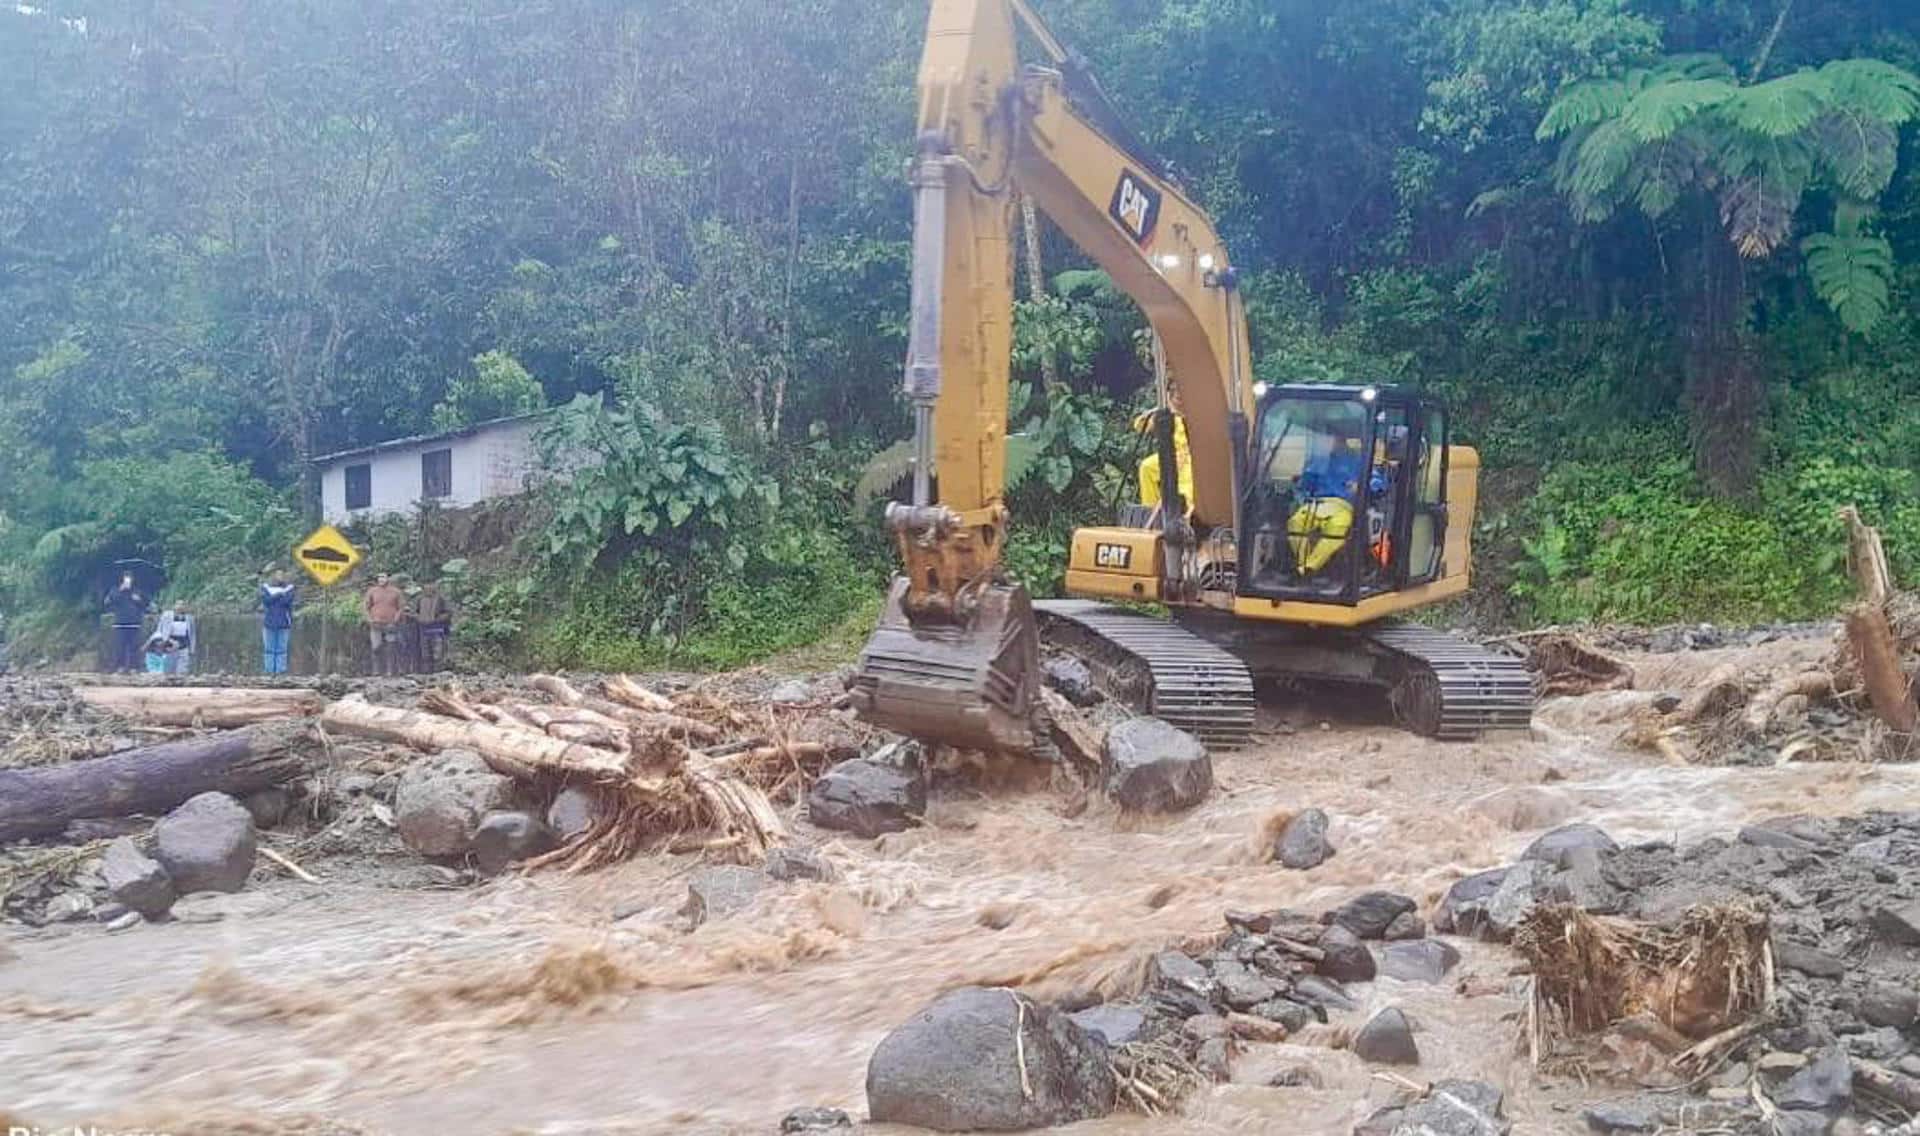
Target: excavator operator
[(1319, 527)]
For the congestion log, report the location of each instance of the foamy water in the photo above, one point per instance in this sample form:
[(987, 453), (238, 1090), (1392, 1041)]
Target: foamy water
[(527, 1007)]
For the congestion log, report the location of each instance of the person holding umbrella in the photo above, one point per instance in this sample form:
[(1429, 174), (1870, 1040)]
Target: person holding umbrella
[(127, 605)]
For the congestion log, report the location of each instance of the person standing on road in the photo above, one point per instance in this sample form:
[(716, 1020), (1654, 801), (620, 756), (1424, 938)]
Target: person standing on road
[(128, 607), (177, 624), (434, 613), (277, 601), (385, 606)]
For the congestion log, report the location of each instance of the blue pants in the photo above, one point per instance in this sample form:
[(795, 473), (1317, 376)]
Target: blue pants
[(273, 648)]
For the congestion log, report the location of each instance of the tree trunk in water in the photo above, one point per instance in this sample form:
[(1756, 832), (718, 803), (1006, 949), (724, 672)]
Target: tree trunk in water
[(149, 780)]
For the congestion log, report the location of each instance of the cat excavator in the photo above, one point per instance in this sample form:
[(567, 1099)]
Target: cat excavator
[(1289, 525)]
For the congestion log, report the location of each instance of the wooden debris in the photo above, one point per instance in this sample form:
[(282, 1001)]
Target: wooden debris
[(623, 689), (151, 779), (294, 869), (1768, 705), (1566, 665), (1870, 630), (518, 753), (1078, 739), (212, 706)]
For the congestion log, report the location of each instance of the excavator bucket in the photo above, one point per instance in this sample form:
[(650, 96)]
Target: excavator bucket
[(970, 682)]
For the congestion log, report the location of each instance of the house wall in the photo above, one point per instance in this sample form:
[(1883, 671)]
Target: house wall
[(488, 463)]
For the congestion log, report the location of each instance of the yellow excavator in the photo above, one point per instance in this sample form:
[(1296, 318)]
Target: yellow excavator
[(1316, 515)]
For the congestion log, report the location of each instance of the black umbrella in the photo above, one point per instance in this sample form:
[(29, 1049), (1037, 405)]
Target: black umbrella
[(148, 577)]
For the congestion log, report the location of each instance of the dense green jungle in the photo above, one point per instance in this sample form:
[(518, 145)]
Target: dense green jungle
[(1660, 256)]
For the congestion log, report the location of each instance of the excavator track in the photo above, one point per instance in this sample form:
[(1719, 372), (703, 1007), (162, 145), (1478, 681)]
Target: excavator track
[(1156, 667), (1446, 687)]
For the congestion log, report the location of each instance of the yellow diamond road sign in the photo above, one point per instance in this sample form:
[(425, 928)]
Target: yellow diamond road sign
[(326, 555)]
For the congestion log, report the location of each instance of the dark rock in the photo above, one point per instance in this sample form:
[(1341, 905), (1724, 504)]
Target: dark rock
[(1910, 1065), (1072, 679), (1631, 1115), (1760, 836), (868, 798), (1517, 894), (1463, 910), (1801, 1122), (1369, 914), (1425, 960), (1405, 926), (1297, 1077), (952, 1067), (1322, 992), (573, 811), (1288, 1013), (1387, 1040), (717, 892), (1179, 969), (268, 807), (506, 838), (1582, 882), (1303, 843), (1385, 1122), (1215, 1059), (1456, 1108), (207, 844), (814, 1120), (1113, 1024), (1825, 1085), (1154, 767), (1552, 847), (136, 880), (441, 800), (1899, 925), (1807, 960), (791, 862), (1348, 959), (1884, 1045), (1890, 1004), (1241, 988)]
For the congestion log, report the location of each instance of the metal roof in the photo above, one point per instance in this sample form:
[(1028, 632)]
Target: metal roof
[(426, 439)]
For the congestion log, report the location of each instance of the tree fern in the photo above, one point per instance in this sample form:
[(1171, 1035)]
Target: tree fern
[(1874, 88), (1655, 114), (1852, 275), (1584, 104), (1860, 153), (1779, 107)]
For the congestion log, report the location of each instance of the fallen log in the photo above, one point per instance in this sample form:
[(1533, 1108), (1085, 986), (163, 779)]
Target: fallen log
[(220, 707), (149, 780), (1766, 705), (623, 689), (1888, 688), (1886, 1084), (518, 753), (558, 688)]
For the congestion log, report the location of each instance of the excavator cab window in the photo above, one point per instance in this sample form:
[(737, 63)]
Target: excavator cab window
[(1340, 503)]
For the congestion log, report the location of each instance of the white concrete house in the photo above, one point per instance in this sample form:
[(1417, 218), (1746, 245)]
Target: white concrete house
[(455, 469)]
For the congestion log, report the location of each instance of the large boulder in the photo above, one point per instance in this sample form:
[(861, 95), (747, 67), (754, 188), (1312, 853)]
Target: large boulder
[(1520, 889), (1450, 1108), (1347, 958), (442, 799), (1463, 911), (956, 1067), (207, 844), (868, 797), (1387, 1039), (1553, 847), (573, 811), (1113, 1023), (136, 880), (1154, 767), (1303, 843), (1072, 678), (505, 838), (1418, 960), (723, 890), (1369, 914), (791, 862)]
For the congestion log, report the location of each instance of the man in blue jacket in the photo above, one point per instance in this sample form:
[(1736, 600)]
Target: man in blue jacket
[(277, 600)]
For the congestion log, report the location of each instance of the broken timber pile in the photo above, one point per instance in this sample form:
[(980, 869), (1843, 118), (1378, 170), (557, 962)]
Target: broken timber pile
[(214, 707), (662, 770)]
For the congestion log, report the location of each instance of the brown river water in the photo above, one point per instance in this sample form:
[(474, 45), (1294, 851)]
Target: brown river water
[(582, 1004)]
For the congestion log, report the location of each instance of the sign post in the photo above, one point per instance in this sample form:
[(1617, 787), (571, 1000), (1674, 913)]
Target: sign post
[(328, 556)]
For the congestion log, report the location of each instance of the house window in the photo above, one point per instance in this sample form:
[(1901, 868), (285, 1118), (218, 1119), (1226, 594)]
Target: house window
[(436, 474), (359, 487)]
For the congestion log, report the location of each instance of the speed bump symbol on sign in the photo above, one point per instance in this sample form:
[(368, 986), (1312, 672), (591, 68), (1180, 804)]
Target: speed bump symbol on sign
[(326, 555)]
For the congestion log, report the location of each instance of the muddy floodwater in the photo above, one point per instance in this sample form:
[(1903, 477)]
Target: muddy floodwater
[(558, 1004)]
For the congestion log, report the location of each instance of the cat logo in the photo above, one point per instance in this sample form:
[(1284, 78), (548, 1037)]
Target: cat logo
[(1113, 556), (1136, 206)]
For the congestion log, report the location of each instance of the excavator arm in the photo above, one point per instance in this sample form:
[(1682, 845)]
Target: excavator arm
[(955, 657)]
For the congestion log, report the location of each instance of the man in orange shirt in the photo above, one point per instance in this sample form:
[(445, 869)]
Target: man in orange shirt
[(384, 605)]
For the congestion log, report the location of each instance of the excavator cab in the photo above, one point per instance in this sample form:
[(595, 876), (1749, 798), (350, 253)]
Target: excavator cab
[(1345, 495)]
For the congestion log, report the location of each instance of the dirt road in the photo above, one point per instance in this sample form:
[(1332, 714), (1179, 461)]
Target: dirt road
[(561, 1004)]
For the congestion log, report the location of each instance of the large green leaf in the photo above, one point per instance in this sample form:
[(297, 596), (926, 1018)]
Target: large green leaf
[(1853, 275), (1858, 151), (1875, 88), (1656, 113), (1779, 107), (1583, 104)]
